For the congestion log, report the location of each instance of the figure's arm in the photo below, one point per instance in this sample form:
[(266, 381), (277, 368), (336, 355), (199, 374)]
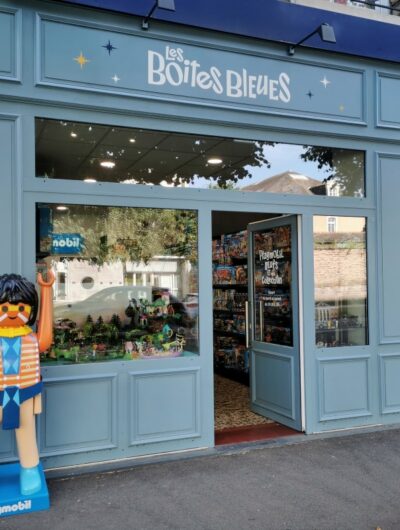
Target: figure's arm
[(45, 324)]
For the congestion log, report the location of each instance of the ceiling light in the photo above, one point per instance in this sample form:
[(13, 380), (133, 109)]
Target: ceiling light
[(89, 180), (74, 135), (108, 164), (132, 140), (62, 208), (214, 161)]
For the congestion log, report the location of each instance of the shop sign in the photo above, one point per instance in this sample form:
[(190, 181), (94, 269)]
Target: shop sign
[(94, 59), (67, 244), (174, 69), (20, 506)]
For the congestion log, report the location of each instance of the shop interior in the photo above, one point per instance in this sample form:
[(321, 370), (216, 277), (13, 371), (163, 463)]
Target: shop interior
[(234, 420)]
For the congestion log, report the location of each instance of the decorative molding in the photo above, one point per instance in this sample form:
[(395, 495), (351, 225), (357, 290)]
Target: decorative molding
[(74, 388), (164, 390), (384, 338), (352, 111), (326, 413), (389, 390), (392, 102), (13, 19)]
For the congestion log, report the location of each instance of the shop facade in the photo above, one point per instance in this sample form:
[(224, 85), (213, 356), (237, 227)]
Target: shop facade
[(91, 87)]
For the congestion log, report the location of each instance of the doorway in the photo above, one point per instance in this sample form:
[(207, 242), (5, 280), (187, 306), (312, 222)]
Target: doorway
[(256, 326)]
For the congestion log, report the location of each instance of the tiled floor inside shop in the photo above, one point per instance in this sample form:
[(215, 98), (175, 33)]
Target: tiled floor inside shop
[(234, 421)]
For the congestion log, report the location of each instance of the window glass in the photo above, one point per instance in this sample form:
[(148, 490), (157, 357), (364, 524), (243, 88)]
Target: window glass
[(126, 281), (340, 272), (100, 153), (272, 265)]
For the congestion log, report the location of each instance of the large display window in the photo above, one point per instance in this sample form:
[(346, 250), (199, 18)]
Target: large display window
[(126, 281), (99, 153), (340, 272)]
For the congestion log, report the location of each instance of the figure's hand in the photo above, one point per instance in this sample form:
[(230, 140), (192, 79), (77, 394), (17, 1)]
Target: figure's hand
[(50, 280)]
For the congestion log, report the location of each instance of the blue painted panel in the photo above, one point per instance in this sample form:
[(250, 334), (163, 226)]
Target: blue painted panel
[(99, 59), (389, 365), (272, 20), (388, 250), (7, 444), (272, 382), (79, 414), (388, 87), (7, 179), (164, 406), (343, 388), (9, 43)]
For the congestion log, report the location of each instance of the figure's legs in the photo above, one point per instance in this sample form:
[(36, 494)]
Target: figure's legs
[(26, 436), (27, 450)]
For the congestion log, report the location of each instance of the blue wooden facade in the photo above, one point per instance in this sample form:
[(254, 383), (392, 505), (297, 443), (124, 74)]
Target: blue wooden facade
[(115, 410)]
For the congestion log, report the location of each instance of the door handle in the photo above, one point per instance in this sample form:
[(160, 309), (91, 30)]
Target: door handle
[(246, 312), (261, 302)]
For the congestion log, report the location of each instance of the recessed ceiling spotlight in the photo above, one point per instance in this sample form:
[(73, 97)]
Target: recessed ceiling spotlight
[(132, 140), (61, 208), (74, 135), (89, 180), (108, 164), (214, 161)]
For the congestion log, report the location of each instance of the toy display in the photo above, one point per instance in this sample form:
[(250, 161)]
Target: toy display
[(21, 386), (231, 357), (161, 328)]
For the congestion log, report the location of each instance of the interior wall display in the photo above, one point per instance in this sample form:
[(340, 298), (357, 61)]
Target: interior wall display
[(122, 292), (340, 275), (20, 385), (272, 286), (230, 296)]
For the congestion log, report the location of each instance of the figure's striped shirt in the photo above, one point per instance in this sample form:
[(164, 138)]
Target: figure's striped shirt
[(29, 367)]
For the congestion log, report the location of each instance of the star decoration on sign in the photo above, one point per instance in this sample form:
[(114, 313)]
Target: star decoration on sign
[(115, 78), (310, 94), (81, 60), (109, 47), (325, 81)]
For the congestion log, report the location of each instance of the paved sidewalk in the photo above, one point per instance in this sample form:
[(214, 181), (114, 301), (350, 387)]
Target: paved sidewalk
[(347, 482)]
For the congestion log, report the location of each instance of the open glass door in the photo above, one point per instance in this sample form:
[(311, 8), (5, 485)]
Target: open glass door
[(274, 320)]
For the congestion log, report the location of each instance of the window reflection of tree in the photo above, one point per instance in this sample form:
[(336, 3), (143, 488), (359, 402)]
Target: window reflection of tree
[(345, 169)]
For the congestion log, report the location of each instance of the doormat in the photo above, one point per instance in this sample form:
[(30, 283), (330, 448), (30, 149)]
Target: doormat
[(253, 433), (232, 405)]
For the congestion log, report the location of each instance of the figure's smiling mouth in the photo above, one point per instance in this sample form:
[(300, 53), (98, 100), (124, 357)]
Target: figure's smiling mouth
[(12, 318)]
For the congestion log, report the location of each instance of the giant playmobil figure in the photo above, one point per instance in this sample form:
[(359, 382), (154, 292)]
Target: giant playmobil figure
[(20, 382)]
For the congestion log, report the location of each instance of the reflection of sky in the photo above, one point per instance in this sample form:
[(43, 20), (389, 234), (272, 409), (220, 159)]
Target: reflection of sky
[(282, 157)]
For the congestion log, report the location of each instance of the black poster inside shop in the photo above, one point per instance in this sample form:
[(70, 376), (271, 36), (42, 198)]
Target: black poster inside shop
[(272, 285)]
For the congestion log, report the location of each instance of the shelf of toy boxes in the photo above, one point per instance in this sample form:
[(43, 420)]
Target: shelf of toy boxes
[(230, 295)]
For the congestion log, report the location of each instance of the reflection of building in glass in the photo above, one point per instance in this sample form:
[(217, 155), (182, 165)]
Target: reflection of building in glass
[(78, 279), (340, 275), (288, 182)]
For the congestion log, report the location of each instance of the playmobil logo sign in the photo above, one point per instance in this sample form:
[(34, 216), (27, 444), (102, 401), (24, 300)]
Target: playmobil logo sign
[(67, 244), (20, 506), (174, 69)]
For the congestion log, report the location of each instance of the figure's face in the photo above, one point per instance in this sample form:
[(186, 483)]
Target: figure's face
[(14, 315)]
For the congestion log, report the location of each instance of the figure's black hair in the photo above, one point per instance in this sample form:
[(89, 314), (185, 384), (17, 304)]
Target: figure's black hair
[(15, 289)]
